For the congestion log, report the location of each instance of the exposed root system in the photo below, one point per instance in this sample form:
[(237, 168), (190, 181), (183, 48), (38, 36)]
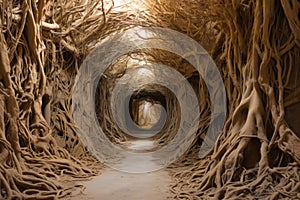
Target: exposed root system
[(255, 44)]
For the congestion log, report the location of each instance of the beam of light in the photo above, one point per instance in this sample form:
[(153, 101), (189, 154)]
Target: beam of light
[(119, 3), (126, 5)]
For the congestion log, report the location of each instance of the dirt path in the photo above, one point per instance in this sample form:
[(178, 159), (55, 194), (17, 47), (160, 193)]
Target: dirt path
[(117, 185)]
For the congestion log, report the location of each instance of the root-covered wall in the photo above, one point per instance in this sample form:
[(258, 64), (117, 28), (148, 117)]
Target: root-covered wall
[(257, 155), (39, 148)]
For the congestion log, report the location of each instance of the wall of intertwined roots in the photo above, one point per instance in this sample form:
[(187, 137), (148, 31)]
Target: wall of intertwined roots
[(255, 44)]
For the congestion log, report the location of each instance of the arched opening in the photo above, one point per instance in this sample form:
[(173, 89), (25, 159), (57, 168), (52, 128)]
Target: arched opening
[(148, 110)]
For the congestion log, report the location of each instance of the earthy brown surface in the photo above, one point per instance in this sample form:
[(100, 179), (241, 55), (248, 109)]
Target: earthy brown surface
[(115, 185)]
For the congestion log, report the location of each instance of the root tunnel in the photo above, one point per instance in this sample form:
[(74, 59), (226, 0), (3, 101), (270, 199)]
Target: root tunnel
[(207, 92)]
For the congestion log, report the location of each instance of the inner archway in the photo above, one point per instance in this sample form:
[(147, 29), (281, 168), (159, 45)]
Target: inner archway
[(148, 109)]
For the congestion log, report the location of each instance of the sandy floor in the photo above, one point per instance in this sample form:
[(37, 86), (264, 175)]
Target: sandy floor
[(116, 185)]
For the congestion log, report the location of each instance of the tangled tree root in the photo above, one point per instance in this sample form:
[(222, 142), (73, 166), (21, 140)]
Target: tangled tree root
[(36, 53), (257, 156)]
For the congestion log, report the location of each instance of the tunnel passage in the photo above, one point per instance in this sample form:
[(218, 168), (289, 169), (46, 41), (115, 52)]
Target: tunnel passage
[(137, 62), (159, 122), (166, 102)]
